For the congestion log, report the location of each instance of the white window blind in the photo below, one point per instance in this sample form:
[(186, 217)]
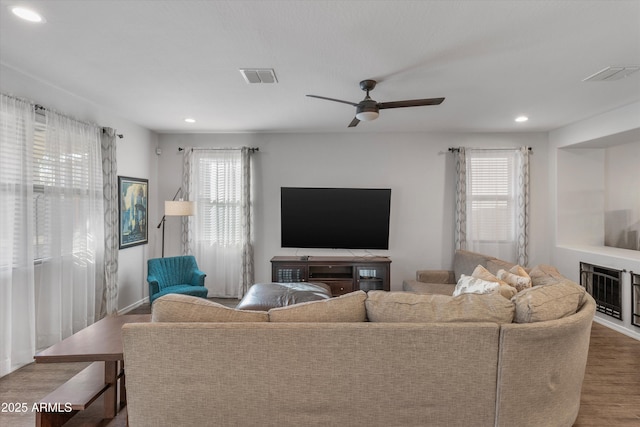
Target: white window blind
[(218, 198), (491, 195)]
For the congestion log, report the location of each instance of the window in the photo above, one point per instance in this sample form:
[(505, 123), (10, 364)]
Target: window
[(219, 198), (491, 196), (219, 234), (63, 176)]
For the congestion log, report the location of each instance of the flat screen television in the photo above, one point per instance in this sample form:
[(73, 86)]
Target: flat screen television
[(337, 218)]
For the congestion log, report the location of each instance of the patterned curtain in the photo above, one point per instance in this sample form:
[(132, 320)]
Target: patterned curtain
[(523, 206), (247, 277), (461, 199), (187, 225), (110, 197)]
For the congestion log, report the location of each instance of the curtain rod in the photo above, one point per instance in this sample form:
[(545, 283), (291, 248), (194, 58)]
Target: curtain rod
[(251, 149), (38, 107), (452, 149)]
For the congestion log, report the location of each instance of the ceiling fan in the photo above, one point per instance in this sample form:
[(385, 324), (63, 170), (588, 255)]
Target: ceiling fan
[(368, 109)]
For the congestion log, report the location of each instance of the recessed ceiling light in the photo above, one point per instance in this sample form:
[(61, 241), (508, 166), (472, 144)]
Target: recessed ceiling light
[(521, 119), (190, 120), (27, 14)]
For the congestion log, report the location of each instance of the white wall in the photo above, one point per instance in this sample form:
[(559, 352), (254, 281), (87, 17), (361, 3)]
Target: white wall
[(417, 167), (135, 158), (622, 202), (581, 192)]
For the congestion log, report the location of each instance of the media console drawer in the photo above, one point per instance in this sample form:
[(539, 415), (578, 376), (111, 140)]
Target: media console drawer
[(342, 274)]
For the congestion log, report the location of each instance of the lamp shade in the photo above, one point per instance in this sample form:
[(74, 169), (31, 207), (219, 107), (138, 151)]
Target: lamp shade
[(179, 208)]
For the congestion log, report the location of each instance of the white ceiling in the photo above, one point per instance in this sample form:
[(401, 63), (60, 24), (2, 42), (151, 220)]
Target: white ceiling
[(157, 62)]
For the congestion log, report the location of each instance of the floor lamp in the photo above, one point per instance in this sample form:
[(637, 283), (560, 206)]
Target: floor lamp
[(176, 208)]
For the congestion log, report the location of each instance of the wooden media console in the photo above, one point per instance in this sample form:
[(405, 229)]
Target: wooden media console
[(342, 274)]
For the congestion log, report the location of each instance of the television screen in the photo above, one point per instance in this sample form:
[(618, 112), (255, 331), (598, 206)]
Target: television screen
[(338, 218)]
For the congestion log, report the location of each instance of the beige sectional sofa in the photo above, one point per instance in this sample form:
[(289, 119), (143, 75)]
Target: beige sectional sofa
[(376, 359), (444, 281)]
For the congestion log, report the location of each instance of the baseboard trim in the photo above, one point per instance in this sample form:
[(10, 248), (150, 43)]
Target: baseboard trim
[(133, 306), (618, 328)]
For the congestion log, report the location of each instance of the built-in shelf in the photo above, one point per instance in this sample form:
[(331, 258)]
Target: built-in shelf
[(623, 254)]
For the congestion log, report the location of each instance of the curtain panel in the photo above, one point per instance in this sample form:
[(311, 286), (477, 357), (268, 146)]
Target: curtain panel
[(17, 288), (109, 304), (70, 275), (220, 234), (51, 229), (461, 199)]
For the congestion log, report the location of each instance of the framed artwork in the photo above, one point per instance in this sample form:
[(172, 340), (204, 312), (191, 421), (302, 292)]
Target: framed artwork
[(133, 200)]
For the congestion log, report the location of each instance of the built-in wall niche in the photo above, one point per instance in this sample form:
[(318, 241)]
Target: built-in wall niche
[(622, 196), (599, 193)]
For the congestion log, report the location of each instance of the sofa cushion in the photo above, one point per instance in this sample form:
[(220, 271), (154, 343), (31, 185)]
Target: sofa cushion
[(420, 308), (543, 274), (548, 302), (464, 262), (345, 308), (185, 308)]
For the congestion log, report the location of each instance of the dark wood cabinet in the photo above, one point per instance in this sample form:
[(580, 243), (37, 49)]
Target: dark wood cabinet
[(342, 274)]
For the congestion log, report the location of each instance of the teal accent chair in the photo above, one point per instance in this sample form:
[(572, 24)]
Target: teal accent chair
[(175, 275)]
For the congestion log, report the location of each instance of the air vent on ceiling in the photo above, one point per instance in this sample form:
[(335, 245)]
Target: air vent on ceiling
[(259, 75), (612, 73)]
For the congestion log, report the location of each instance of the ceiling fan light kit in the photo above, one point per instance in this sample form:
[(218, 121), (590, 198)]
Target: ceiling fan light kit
[(365, 115), (368, 109)]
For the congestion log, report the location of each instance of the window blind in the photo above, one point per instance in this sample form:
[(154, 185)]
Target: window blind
[(219, 197), (491, 195)]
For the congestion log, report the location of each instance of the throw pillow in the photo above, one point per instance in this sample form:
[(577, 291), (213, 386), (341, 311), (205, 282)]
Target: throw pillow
[(423, 308), (505, 290), (514, 279), (345, 308), (544, 275), (548, 302), (493, 265), (185, 308), (473, 285), (482, 273)]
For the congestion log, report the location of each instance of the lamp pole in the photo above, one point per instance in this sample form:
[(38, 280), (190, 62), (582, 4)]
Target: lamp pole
[(164, 218)]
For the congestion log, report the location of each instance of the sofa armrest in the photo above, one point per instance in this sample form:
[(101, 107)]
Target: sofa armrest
[(428, 288), (436, 276), (197, 278)]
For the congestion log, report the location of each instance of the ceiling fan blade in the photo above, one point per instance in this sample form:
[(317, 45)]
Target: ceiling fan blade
[(354, 122), (410, 103), (333, 99)]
